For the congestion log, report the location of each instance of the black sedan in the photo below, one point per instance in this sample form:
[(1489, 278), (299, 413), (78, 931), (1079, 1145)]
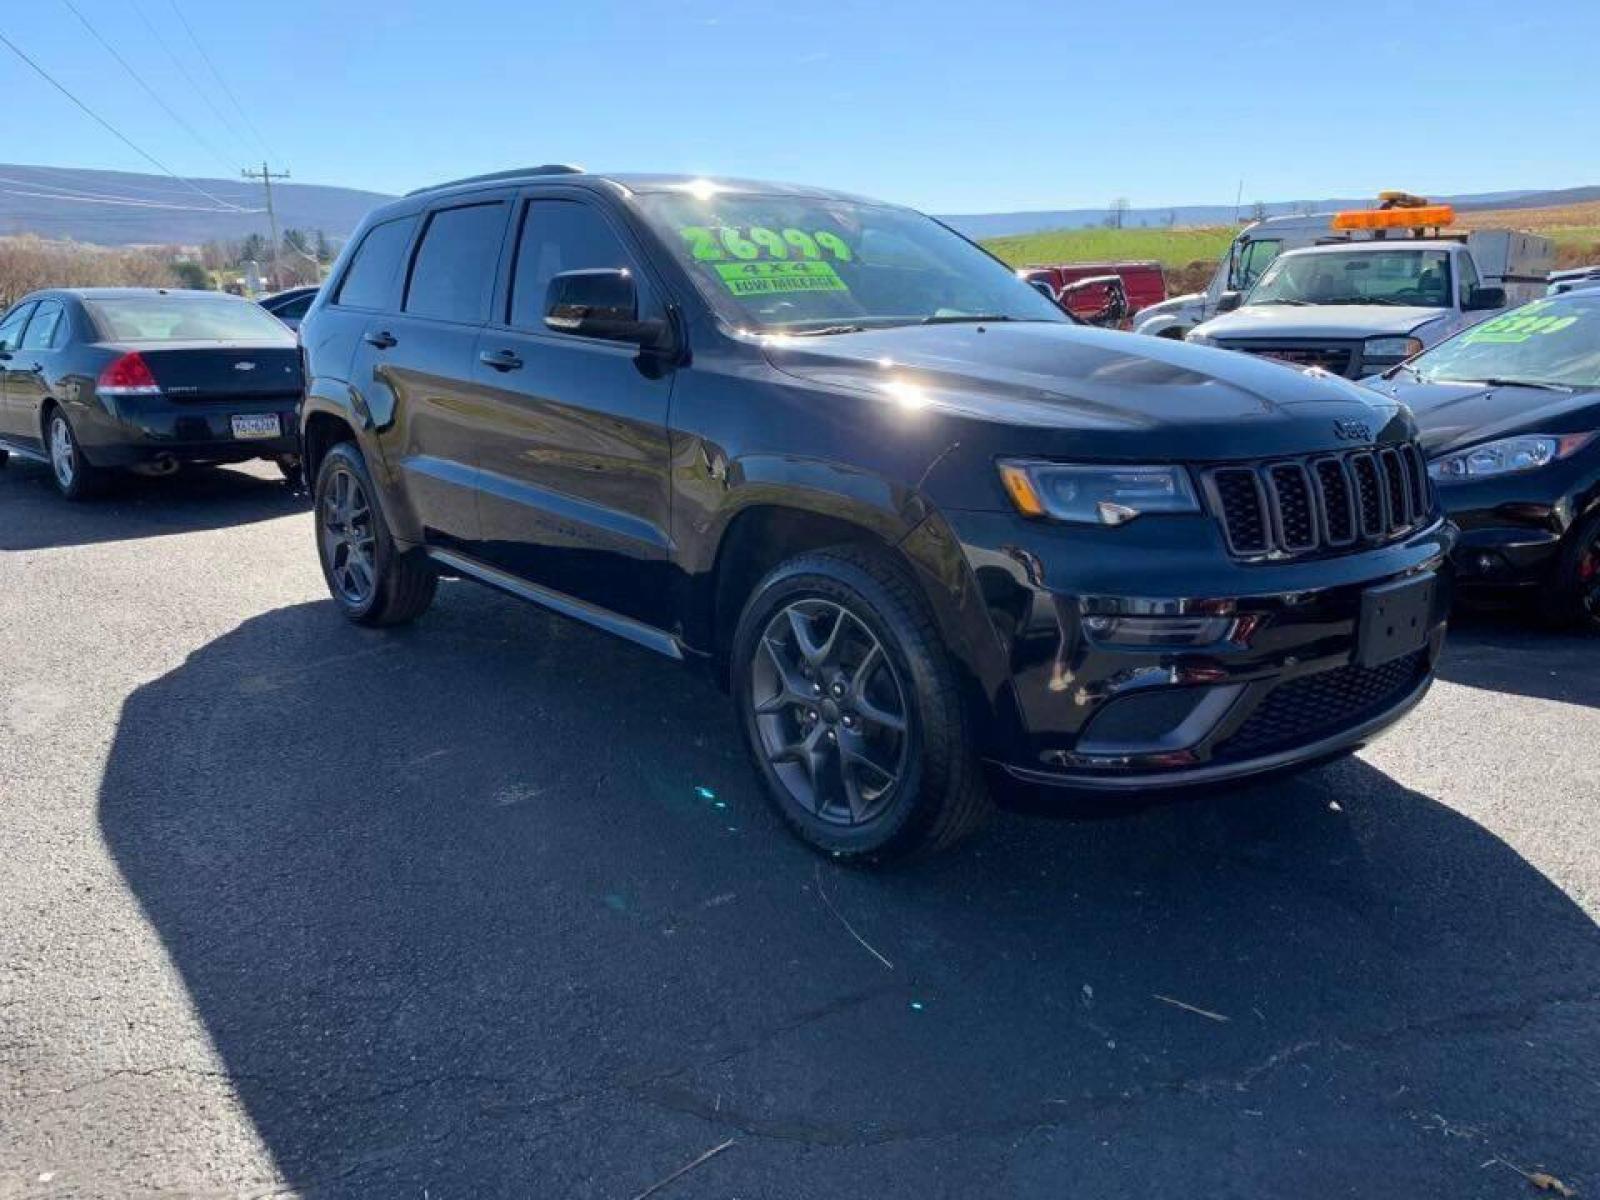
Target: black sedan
[(290, 305), (95, 380), (1510, 419)]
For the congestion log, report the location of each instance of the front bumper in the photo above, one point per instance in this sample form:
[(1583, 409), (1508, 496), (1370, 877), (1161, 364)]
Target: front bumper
[(128, 431), (1512, 527), (1279, 685)]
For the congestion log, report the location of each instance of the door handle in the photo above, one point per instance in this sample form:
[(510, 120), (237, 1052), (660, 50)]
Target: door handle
[(500, 360), (382, 339)]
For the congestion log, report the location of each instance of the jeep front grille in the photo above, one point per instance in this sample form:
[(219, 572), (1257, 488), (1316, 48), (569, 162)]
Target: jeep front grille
[(1321, 503)]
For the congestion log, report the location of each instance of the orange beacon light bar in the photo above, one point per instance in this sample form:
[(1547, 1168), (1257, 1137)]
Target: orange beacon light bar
[(1395, 218)]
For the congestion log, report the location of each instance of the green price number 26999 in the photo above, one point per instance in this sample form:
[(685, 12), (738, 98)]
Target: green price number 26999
[(727, 241)]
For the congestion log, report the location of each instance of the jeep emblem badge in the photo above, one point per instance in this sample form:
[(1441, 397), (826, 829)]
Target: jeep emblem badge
[(1352, 431), (244, 366)]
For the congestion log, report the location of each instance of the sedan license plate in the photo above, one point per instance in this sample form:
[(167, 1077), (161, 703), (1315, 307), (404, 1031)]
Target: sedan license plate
[(1395, 620), (246, 428)]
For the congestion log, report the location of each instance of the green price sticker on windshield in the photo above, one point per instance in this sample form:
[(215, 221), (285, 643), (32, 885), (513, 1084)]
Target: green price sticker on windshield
[(765, 278), (1517, 327)]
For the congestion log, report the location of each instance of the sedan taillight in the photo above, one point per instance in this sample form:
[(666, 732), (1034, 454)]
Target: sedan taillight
[(128, 376)]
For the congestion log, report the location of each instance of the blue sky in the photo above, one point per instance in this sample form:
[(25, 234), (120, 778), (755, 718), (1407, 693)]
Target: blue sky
[(951, 107)]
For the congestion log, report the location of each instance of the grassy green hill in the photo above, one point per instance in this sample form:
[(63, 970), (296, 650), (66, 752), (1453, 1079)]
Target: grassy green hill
[(1189, 255), (1171, 247)]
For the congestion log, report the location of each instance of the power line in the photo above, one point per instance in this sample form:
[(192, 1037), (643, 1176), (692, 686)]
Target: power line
[(226, 90), (145, 204), (149, 91), (233, 130), (112, 129)]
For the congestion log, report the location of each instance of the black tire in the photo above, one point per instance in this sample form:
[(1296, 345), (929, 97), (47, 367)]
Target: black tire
[(937, 794), (1573, 598), (75, 477), (394, 587)]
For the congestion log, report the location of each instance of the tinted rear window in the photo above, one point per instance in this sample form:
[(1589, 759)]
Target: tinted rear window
[(369, 281), (454, 272), (187, 318)]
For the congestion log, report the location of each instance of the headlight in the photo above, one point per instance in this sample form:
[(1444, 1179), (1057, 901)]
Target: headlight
[(1526, 452), (1200, 339), (1391, 347), (1096, 495)]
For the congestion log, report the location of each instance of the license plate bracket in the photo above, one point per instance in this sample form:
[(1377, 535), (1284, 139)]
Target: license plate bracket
[(265, 425), (1395, 619)]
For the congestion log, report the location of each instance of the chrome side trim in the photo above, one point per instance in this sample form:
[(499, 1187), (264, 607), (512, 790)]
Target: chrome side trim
[(637, 632)]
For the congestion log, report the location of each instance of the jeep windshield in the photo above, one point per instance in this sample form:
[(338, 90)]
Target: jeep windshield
[(1549, 343), (810, 265), (1413, 278)]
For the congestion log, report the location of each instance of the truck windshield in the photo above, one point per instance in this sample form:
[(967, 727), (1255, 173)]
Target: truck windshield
[(1554, 341), (1412, 277), (805, 264)]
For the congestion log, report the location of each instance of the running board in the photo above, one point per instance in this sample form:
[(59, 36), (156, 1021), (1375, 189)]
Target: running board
[(637, 632)]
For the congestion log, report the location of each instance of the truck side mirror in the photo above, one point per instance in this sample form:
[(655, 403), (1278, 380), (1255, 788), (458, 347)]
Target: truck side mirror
[(1229, 301), (1482, 299), (599, 303)]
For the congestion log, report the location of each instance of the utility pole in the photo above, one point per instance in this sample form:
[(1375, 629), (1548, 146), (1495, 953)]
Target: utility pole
[(265, 177)]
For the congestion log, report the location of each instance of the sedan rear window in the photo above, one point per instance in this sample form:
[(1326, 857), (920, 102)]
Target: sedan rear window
[(195, 318)]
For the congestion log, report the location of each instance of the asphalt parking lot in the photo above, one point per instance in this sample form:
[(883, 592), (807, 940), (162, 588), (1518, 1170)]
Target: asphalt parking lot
[(490, 906)]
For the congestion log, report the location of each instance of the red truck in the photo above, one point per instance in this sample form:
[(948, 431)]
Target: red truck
[(1104, 293)]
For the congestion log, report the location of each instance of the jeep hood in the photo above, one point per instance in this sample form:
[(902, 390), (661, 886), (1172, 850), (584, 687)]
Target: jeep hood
[(1070, 389), (1319, 321)]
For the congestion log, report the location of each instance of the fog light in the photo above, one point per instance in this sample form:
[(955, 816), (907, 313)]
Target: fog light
[(1157, 631)]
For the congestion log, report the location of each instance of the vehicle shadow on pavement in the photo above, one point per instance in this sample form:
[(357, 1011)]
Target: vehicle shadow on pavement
[(1510, 652), (197, 498), (490, 906)]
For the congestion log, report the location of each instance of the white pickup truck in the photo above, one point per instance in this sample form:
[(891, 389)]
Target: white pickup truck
[(1251, 252), (1357, 308)]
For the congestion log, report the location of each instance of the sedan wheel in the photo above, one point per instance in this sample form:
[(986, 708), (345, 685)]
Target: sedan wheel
[(63, 453)]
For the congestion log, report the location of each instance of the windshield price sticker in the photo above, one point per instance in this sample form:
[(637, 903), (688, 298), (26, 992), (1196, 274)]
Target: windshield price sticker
[(1518, 327), (764, 278), (758, 242)]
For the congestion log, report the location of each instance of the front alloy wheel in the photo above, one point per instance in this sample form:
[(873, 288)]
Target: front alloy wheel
[(849, 703), (830, 711)]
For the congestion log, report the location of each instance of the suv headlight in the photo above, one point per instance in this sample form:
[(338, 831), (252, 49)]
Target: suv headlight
[(1096, 494), (1391, 347), (1200, 339), (1506, 456)]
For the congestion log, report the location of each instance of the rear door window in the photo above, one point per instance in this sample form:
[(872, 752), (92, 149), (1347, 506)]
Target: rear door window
[(11, 328), (44, 331), (452, 278), (369, 280)]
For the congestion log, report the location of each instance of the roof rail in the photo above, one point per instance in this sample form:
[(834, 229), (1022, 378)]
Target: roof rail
[(514, 173)]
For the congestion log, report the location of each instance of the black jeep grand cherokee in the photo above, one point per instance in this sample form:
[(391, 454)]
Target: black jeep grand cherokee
[(920, 522)]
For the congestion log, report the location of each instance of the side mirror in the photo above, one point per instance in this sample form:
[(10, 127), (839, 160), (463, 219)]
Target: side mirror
[(1482, 299), (1229, 301), (599, 303)]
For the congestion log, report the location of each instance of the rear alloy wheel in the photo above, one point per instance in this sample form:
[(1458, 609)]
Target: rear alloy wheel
[(370, 579), (75, 477), (850, 709)]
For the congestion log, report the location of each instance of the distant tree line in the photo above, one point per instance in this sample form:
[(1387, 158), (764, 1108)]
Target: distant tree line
[(304, 256), (28, 263)]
